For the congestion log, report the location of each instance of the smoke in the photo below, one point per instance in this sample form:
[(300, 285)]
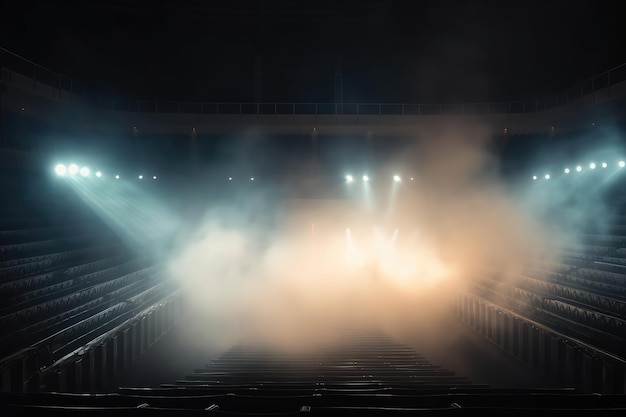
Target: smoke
[(295, 274)]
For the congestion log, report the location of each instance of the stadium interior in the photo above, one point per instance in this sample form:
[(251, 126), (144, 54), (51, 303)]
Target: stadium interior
[(260, 258)]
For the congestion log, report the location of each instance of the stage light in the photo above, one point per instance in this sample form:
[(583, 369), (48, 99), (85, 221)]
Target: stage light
[(592, 165), (154, 177), (140, 177), (604, 165), (60, 169), (84, 171), (579, 168), (547, 176), (534, 178), (349, 179), (566, 170), (117, 177), (73, 169), (98, 174), (396, 178), (621, 164), (366, 178)]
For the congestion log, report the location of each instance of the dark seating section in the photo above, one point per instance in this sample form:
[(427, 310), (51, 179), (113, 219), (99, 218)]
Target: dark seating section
[(367, 374), (65, 277)]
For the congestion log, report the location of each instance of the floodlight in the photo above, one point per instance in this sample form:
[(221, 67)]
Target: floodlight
[(117, 177), (547, 176), (251, 178), (230, 178), (534, 177), (349, 178), (621, 164), (396, 178), (604, 165), (566, 170), (73, 169), (98, 174), (60, 170), (84, 171), (140, 177), (154, 177), (366, 178), (592, 165), (579, 168)]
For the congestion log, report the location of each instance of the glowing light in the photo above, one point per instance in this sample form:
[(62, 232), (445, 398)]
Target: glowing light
[(230, 178), (411, 178), (366, 178), (117, 177), (579, 168), (592, 165), (73, 169), (349, 179), (98, 174), (621, 164), (567, 170), (396, 178), (154, 177), (534, 178), (604, 165), (547, 176), (251, 178), (84, 171), (140, 177), (60, 170)]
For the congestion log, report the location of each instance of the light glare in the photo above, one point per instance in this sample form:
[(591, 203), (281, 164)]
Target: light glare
[(604, 165), (396, 178), (73, 169), (567, 170), (117, 177), (592, 165), (60, 170), (140, 177), (547, 176), (349, 178), (366, 178), (98, 174), (579, 168), (621, 164), (534, 178), (84, 171)]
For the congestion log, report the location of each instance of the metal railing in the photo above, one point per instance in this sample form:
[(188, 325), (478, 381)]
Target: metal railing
[(11, 62)]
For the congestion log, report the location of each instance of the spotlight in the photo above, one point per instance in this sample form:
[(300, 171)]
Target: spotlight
[(567, 170), (604, 165), (592, 165), (251, 178), (547, 176), (60, 170), (534, 178), (230, 178), (349, 178), (579, 168), (98, 174), (621, 164), (396, 178), (73, 169), (84, 171), (154, 177), (366, 178), (140, 177), (117, 177)]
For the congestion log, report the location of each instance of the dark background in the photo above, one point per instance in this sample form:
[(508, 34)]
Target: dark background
[(391, 51)]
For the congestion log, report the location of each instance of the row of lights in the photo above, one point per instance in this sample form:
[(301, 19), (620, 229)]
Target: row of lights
[(579, 168), (366, 178), (72, 170)]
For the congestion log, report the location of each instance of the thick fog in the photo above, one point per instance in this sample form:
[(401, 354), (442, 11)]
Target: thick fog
[(392, 256)]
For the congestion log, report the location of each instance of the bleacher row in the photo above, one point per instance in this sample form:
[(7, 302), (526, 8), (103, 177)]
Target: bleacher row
[(366, 374), (65, 278)]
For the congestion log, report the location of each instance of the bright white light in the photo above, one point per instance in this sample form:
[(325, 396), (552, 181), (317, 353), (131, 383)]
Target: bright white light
[(534, 178), (396, 178), (547, 176), (60, 170), (117, 177), (154, 177), (366, 178), (230, 178), (579, 168), (592, 165), (73, 169), (621, 164), (84, 171), (98, 174), (411, 178), (140, 177), (349, 178), (251, 178), (604, 165), (567, 170)]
